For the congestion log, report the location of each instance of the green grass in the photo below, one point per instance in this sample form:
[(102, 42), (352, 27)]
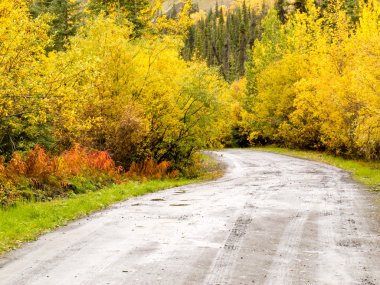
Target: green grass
[(365, 172), (26, 221)]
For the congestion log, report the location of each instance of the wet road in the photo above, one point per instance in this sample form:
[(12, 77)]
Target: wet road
[(271, 219)]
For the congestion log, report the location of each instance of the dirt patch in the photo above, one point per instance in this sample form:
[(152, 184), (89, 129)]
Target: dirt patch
[(349, 243)]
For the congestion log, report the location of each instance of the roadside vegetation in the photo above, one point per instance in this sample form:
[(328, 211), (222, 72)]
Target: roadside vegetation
[(95, 92), (363, 171), (25, 221)]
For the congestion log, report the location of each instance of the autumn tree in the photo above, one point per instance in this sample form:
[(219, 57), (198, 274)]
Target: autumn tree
[(23, 97), (136, 98), (305, 88)]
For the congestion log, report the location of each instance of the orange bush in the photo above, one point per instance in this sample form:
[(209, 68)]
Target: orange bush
[(101, 161), (39, 163), (55, 176), (79, 159), (72, 161), (151, 169), (17, 165)]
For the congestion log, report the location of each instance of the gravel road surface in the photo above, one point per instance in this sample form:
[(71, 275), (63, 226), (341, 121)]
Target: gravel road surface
[(271, 219)]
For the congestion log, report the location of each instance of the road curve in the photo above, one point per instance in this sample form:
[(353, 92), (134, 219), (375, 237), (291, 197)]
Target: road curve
[(271, 219)]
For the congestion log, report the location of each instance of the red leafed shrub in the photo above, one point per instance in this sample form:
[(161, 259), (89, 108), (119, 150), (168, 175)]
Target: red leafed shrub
[(72, 161), (151, 169), (39, 164), (38, 175), (79, 159), (101, 161), (16, 166)]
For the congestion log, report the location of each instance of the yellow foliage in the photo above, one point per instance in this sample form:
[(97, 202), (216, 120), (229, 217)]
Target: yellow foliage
[(23, 90), (318, 86), (180, 26), (137, 93)]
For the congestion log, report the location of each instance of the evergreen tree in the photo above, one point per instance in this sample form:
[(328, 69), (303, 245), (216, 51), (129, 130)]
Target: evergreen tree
[(280, 6), (222, 39), (134, 10), (67, 18)]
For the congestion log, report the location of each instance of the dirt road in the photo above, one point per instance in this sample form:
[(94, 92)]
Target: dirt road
[(271, 219)]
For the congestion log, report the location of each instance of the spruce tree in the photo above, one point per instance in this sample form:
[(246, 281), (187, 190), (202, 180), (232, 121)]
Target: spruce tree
[(222, 39), (67, 18), (134, 10)]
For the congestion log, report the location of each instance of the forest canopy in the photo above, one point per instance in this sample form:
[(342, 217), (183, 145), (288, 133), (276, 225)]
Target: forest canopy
[(125, 78)]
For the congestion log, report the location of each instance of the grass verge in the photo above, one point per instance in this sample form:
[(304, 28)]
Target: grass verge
[(26, 221), (365, 172)]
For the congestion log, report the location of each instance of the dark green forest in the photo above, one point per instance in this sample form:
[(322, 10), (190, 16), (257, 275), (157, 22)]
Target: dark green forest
[(223, 38)]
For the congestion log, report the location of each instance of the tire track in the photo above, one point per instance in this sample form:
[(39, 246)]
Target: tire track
[(287, 251), (226, 257)]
